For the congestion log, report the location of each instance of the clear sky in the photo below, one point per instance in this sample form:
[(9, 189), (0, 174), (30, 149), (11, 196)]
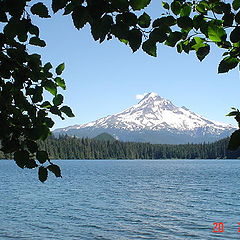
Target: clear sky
[(104, 79)]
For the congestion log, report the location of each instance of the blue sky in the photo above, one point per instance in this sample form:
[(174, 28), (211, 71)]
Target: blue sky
[(105, 78)]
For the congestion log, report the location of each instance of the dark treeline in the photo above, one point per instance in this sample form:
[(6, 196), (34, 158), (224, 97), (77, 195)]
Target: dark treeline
[(66, 147)]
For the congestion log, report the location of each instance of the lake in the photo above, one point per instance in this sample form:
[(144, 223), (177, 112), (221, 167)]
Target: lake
[(122, 199)]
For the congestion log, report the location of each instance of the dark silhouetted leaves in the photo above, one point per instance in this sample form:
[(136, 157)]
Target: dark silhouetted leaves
[(202, 52), (144, 20), (235, 35), (168, 21), (58, 4), (55, 169), (185, 23), (37, 42), (173, 38), (58, 100), (79, 17), (42, 174), (21, 158), (233, 113), (31, 163), (32, 146), (139, 4), (67, 110), (150, 48), (237, 17), (40, 9), (176, 7), (227, 64), (228, 19), (42, 156), (158, 35), (234, 141), (135, 39)]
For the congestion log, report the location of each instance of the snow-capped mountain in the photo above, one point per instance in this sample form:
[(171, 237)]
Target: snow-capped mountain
[(156, 120)]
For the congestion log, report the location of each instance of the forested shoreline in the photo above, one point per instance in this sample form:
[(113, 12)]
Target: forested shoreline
[(66, 147)]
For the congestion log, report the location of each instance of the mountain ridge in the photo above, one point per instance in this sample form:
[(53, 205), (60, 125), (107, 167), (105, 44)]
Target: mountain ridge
[(156, 120)]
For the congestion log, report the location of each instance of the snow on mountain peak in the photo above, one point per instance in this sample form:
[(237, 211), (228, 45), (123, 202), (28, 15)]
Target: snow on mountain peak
[(154, 113)]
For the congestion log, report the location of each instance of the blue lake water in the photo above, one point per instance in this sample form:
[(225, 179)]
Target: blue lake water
[(122, 199)]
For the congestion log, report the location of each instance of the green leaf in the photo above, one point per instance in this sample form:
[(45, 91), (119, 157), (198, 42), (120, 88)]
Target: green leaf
[(185, 11), (144, 20), (199, 43), (50, 87), (139, 4), (150, 48), (234, 141), (201, 8), (58, 100), (176, 7), (236, 4), (55, 169), (216, 33), (58, 4), (40, 9), (60, 82), (227, 64), (235, 35), (37, 42), (165, 5), (42, 156), (135, 39), (47, 67), (42, 174), (46, 104), (67, 110), (80, 17), (60, 68)]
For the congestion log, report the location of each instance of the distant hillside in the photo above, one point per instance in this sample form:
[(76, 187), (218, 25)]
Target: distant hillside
[(104, 137)]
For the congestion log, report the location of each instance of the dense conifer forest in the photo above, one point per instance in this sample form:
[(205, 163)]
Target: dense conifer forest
[(66, 147)]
